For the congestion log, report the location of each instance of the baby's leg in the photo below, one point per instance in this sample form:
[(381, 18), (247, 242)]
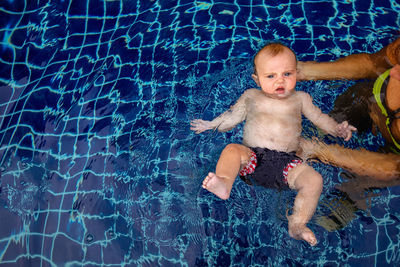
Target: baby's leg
[(308, 184), (232, 158)]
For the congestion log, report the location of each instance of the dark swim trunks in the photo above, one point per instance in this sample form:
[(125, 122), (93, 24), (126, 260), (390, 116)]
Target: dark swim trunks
[(269, 168)]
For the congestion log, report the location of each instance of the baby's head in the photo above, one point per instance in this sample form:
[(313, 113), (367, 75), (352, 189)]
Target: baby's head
[(275, 70), (272, 49)]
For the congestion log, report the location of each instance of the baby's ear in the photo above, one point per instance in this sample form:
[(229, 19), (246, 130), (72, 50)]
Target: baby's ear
[(255, 78)]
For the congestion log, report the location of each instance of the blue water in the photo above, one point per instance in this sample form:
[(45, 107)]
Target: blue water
[(99, 167)]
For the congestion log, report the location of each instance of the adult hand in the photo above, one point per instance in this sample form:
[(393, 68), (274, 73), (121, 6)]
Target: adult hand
[(300, 72), (199, 125), (345, 130)]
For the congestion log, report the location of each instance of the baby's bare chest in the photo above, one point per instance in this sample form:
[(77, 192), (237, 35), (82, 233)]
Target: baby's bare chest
[(275, 108)]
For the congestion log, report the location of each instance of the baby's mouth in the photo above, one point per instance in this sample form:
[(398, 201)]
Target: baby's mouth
[(280, 90)]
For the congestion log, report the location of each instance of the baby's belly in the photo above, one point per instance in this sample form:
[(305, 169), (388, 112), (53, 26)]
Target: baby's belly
[(284, 139), (279, 144), (278, 133)]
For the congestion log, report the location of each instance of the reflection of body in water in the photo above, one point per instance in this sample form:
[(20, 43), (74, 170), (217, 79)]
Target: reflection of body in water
[(368, 106), (336, 211), (338, 207)]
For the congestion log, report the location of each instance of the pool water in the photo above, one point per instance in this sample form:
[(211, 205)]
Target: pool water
[(99, 167)]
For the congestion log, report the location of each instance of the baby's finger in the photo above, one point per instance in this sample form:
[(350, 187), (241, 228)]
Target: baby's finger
[(196, 124), (345, 126), (350, 133), (196, 131)]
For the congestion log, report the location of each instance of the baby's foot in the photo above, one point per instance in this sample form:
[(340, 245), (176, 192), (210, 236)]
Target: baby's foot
[(216, 185), (302, 232)]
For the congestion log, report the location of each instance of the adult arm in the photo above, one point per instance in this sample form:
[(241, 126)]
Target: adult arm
[(356, 66)]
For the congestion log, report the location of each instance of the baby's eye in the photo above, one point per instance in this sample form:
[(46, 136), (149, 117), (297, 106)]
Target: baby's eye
[(270, 76), (288, 74)]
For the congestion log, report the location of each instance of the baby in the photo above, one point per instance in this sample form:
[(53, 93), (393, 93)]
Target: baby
[(271, 137)]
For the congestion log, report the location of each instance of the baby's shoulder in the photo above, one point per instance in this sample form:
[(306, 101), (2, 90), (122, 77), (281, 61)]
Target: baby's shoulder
[(303, 96), (252, 92)]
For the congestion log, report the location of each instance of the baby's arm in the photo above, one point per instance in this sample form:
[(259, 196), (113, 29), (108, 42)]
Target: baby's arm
[(226, 121), (199, 126), (324, 121)]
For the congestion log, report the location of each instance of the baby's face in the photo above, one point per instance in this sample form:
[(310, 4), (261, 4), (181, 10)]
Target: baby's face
[(276, 75)]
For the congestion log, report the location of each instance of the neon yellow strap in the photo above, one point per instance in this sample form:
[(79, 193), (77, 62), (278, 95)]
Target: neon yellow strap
[(377, 94)]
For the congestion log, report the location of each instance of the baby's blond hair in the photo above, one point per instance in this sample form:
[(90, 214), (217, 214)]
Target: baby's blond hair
[(272, 49)]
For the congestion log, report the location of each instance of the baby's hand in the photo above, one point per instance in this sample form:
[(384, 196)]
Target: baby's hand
[(200, 125), (345, 130)]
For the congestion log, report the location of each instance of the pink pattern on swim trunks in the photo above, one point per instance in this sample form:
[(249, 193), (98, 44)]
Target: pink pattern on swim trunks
[(290, 166), (251, 165)]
